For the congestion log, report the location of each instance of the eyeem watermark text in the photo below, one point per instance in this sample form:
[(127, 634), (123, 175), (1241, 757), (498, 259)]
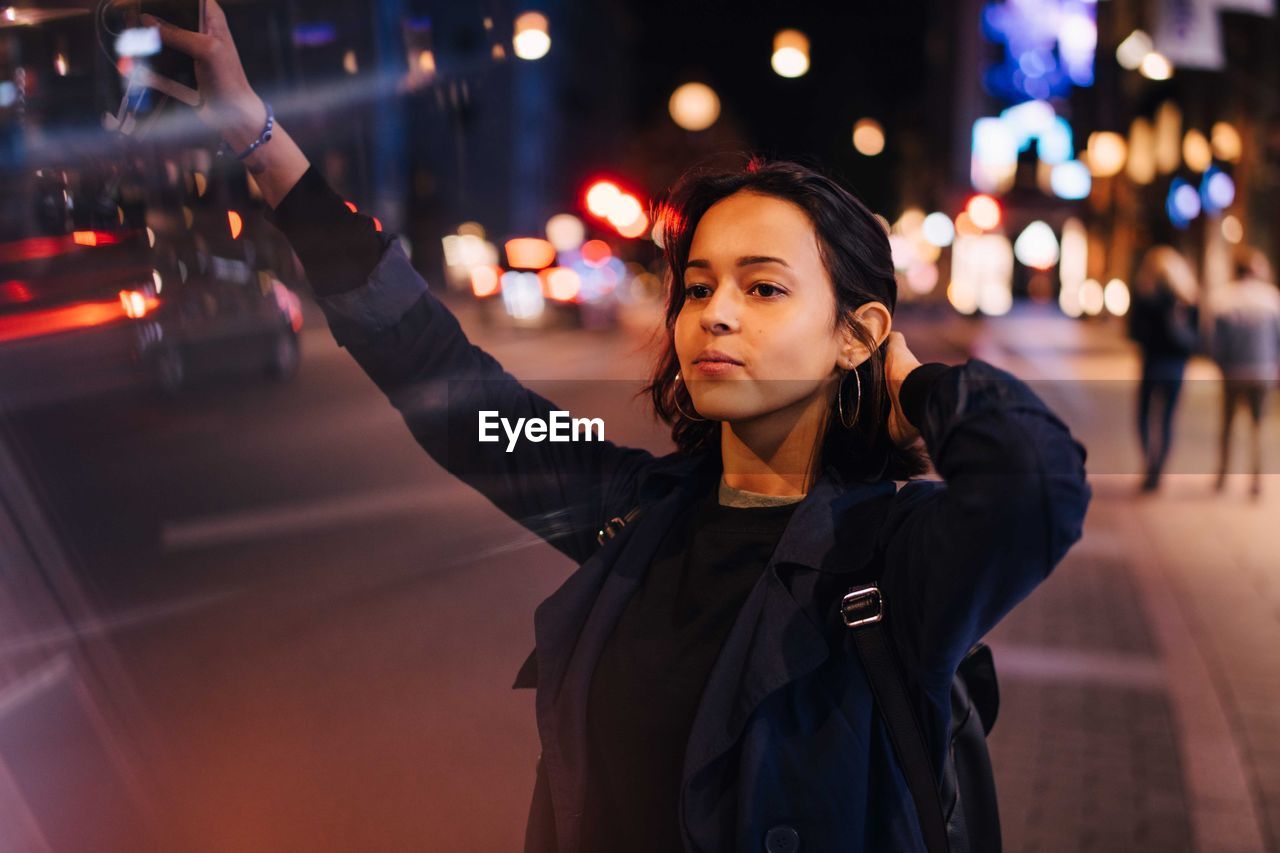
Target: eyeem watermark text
[(560, 427)]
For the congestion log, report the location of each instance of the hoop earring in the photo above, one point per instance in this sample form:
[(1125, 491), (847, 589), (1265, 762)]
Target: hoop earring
[(840, 399), (676, 399)]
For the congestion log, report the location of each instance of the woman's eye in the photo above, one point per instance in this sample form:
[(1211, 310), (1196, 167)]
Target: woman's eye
[(768, 290), (695, 291)]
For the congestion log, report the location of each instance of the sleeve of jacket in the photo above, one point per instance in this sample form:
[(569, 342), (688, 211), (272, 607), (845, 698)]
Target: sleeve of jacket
[(961, 554), (413, 348), (381, 311)]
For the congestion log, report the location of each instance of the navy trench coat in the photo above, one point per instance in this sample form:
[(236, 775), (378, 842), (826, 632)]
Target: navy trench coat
[(787, 751)]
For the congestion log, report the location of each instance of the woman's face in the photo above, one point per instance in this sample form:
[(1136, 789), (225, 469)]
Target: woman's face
[(757, 291)]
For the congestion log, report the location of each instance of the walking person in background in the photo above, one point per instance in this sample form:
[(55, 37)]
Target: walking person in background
[(1163, 321), (1246, 346)]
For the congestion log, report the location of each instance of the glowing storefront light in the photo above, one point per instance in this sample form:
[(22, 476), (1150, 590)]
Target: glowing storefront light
[(1217, 190), (1168, 138), (938, 229), (1049, 47), (1073, 265), (1141, 166), (984, 212), (1071, 180), (1115, 297), (1196, 151), (1134, 49), (1155, 66), (1106, 151), (1182, 203), (1037, 246), (1092, 298), (982, 274), (995, 155), (1226, 141), (1054, 144)]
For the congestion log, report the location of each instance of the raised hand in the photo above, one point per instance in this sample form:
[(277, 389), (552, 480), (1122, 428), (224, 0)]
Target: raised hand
[(899, 362)]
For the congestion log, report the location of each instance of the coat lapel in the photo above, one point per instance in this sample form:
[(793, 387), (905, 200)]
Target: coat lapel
[(573, 623), (781, 633)]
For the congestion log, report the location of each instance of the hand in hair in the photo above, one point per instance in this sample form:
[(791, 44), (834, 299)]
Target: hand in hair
[(898, 363)]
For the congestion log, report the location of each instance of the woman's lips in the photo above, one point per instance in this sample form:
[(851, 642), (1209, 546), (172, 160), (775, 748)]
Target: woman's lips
[(715, 368)]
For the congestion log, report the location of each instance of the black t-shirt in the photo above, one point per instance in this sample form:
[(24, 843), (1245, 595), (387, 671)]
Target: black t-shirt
[(648, 682)]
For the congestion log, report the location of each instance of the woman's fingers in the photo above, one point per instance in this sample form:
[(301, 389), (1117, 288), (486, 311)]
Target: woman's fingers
[(213, 14), (196, 45)]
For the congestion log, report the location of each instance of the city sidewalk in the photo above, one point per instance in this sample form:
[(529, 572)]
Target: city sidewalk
[(1141, 682)]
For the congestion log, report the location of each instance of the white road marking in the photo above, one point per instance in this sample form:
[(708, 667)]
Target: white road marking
[(270, 522)]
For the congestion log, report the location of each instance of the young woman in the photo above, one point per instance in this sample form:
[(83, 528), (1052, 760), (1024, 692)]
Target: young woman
[(696, 688)]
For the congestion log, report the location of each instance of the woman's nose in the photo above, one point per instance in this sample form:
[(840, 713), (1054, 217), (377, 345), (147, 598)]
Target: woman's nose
[(720, 316)]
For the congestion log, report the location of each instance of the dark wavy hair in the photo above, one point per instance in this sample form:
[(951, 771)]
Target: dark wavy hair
[(854, 247)]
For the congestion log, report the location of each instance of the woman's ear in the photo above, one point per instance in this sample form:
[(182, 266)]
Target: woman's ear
[(876, 322)]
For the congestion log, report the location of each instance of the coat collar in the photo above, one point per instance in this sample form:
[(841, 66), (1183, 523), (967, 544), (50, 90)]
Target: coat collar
[(827, 531), (779, 635)]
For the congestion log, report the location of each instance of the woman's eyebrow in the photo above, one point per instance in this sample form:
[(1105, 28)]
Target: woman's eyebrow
[(744, 261)]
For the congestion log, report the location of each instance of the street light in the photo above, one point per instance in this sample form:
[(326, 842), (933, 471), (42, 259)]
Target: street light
[(790, 53), (868, 137), (531, 40), (694, 106)]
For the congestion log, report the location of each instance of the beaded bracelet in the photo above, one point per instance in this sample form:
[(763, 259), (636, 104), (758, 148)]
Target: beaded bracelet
[(262, 140)]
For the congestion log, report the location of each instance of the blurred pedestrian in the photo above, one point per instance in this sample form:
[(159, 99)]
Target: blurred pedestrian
[(1246, 346), (1163, 320), (698, 682)]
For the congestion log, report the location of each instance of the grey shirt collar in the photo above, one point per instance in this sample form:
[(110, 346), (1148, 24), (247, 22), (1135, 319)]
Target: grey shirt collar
[(729, 496)]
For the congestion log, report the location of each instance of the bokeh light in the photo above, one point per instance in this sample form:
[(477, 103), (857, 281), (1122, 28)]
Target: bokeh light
[(1115, 296), (868, 137), (938, 229), (694, 106), (1107, 152), (1037, 246), (790, 54), (531, 39), (984, 212), (566, 232)]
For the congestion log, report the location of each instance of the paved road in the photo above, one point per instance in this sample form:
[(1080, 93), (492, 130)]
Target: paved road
[(321, 623)]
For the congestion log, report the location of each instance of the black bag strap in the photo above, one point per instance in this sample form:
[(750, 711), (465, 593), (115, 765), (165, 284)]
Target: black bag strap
[(613, 525), (863, 609)]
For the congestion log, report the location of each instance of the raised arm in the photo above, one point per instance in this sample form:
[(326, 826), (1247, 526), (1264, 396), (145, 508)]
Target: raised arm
[(381, 310), (961, 554)]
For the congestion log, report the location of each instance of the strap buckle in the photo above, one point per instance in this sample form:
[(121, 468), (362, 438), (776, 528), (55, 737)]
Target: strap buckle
[(610, 529), (862, 606)]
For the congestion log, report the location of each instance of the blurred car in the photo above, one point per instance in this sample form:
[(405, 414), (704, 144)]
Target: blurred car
[(168, 255)]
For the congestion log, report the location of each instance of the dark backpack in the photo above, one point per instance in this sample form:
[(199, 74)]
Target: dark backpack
[(962, 815)]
